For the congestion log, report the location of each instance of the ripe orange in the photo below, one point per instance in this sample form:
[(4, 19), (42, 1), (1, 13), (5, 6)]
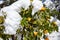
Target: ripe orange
[(43, 9), (45, 31), (29, 19), (35, 33), (46, 38)]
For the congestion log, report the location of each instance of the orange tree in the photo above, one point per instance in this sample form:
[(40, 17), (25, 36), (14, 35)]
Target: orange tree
[(37, 25), (33, 26)]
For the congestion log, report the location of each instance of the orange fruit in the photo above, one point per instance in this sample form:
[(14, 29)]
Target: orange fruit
[(43, 9), (45, 31), (35, 33), (29, 19), (46, 38)]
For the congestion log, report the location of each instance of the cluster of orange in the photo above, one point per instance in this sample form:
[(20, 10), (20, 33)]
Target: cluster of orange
[(43, 9), (45, 31)]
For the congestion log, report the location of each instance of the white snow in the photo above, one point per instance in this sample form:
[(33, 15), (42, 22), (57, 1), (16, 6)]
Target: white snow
[(37, 4), (49, 4), (1, 2), (1, 39)]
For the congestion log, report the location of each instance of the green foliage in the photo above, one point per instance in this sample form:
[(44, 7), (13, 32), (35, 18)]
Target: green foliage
[(38, 23)]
